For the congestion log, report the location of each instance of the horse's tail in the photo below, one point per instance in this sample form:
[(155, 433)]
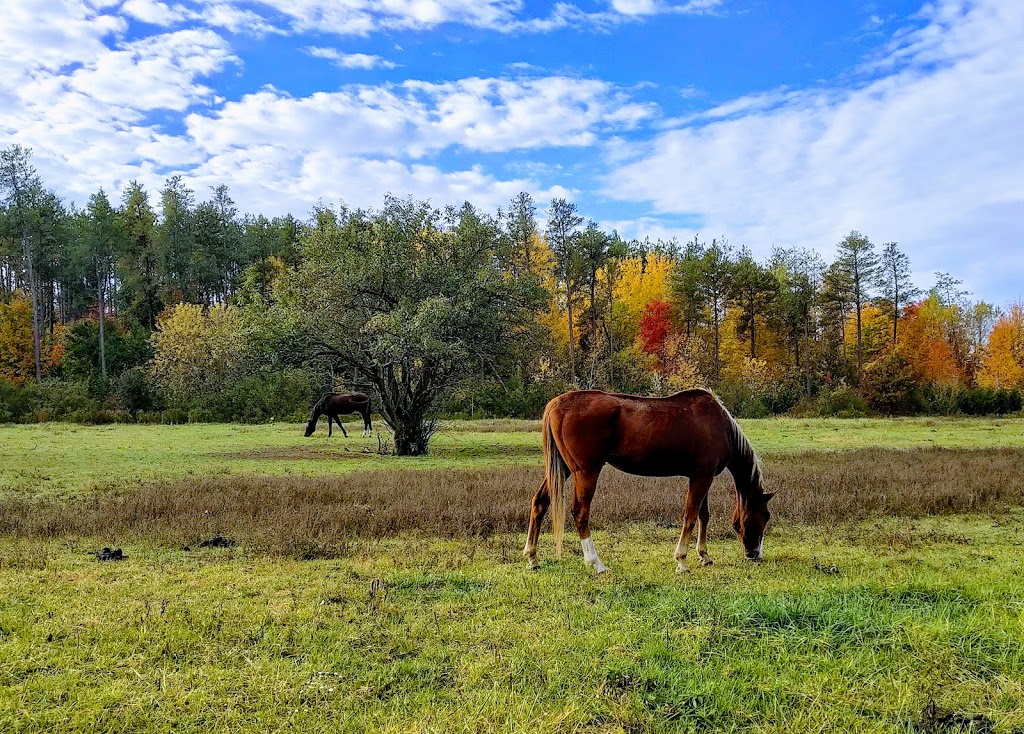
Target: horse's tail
[(556, 472)]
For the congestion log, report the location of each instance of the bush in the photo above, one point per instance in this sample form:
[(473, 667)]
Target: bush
[(936, 399), (758, 398), (134, 392), (838, 402), (989, 401), (265, 396), (514, 399), (124, 349), (14, 403), (889, 386), (54, 400)]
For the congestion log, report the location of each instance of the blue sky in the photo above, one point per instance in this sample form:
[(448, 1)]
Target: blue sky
[(769, 123)]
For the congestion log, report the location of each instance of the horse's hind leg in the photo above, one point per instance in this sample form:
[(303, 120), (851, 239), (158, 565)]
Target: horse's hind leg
[(538, 509), (367, 430), (696, 496), (585, 483)]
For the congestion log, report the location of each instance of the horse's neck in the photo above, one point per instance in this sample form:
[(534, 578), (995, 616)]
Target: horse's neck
[(746, 472)]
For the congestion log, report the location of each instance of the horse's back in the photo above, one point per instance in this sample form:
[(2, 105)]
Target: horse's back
[(659, 436)]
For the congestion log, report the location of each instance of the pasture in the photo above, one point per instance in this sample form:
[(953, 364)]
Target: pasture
[(367, 592)]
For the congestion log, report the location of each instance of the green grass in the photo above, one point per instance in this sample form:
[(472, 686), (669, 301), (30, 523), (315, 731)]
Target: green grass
[(858, 628), (61, 458)]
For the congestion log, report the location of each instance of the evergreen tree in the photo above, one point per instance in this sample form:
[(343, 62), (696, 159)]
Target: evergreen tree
[(894, 279), (859, 263)]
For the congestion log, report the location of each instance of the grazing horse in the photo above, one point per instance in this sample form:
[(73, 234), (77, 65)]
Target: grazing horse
[(334, 404), (688, 434)]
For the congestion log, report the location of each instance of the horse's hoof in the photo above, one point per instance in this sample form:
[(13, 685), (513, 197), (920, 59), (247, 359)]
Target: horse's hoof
[(682, 568), (706, 562), (599, 569), (532, 564)]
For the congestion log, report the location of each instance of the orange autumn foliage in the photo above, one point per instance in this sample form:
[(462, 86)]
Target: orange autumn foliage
[(1003, 365), (923, 343), (17, 356)]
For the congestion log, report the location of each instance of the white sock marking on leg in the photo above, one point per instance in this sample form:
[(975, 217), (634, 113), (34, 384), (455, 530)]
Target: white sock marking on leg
[(590, 555)]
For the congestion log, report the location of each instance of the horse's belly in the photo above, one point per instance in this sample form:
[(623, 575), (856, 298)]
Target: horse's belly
[(655, 464)]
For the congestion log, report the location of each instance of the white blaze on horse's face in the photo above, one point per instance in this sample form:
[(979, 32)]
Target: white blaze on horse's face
[(749, 523)]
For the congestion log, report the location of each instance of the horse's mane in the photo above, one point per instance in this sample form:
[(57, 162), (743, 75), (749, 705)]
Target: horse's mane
[(319, 404), (743, 455)]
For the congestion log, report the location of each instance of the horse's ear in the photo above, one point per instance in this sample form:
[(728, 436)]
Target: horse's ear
[(768, 496)]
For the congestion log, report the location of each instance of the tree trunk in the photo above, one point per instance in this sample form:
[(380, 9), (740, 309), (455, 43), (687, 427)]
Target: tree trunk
[(33, 293), (860, 356), (572, 349), (753, 327), (895, 311), (412, 437), (718, 348), (102, 314)]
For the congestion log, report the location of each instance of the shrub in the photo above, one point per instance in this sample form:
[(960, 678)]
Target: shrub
[(14, 403), (838, 402), (265, 396), (134, 392), (53, 400), (989, 401), (889, 386), (514, 399), (124, 349), (939, 399)]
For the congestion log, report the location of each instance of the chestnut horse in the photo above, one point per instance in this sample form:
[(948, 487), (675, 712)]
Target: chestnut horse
[(333, 404), (688, 434)]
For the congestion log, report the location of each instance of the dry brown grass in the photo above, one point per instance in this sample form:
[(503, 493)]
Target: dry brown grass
[(317, 517)]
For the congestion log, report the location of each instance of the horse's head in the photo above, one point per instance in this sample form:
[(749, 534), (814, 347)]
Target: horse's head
[(310, 427), (749, 519)]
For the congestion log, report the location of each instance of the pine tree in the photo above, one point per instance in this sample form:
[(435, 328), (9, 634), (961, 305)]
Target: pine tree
[(859, 262), (894, 279)]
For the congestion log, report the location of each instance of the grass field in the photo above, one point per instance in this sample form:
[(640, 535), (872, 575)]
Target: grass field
[(897, 608), (62, 458)]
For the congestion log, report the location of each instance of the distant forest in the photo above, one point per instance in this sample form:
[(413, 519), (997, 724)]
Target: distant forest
[(168, 306)]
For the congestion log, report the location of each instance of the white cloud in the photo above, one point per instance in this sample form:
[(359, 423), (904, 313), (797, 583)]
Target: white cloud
[(350, 61), (929, 148), (156, 12), (277, 180), (86, 115), (364, 17), (414, 118), (48, 34)]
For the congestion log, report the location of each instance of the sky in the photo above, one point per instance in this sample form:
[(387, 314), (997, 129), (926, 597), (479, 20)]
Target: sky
[(768, 123)]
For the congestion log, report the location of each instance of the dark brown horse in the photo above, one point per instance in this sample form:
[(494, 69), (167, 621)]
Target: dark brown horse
[(688, 434), (334, 404)]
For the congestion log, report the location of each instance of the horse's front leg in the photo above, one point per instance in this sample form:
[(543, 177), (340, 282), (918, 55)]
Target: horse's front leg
[(330, 426), (341, 426), (696, 496), (702, 532)]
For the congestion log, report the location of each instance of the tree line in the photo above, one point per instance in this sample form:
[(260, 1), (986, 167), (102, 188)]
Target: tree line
[(186, 307)]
